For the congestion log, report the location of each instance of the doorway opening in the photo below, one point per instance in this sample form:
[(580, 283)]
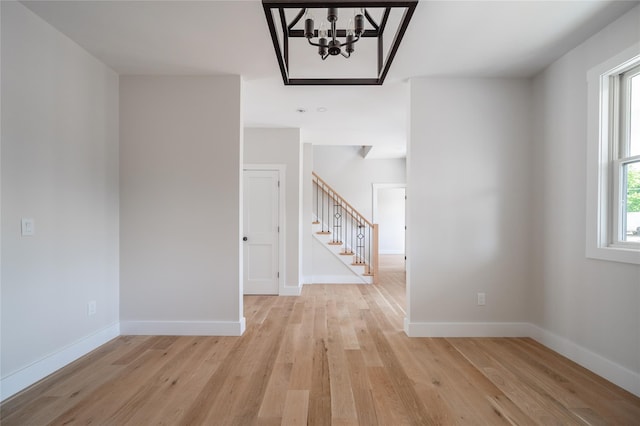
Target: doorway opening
[(389, 212)]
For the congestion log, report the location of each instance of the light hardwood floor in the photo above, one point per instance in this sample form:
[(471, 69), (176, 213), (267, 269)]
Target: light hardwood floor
[(335, 355)]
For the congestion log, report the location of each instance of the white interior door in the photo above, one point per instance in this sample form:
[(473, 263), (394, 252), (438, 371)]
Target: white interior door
[(261, 218)]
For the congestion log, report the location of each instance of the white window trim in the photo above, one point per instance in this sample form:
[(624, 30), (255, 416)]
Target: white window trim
[(599, 158)]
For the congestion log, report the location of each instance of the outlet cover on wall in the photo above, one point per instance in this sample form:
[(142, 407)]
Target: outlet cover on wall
[(482, 299), (91, 307), (27, 226)]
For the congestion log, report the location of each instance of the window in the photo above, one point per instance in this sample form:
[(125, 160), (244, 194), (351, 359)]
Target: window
[(613, 172), (626, 169)]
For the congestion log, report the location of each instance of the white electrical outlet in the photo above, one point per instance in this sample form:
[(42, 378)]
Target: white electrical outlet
[(482, 299), (91, 307), (27, 226)]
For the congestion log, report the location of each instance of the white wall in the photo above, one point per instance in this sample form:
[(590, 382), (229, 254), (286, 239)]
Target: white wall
[(583, 306), (59, 167), (344, 169), (390, 217), (307, 213), (468, 203), (180, 205), (282, 146)]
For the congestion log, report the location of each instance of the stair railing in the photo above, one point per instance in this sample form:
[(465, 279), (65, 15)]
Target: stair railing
[(347, 227)]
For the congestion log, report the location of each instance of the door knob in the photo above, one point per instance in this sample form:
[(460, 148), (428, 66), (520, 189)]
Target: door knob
[(244, 238)]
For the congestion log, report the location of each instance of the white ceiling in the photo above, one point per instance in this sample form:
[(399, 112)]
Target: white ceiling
[(445, 38)]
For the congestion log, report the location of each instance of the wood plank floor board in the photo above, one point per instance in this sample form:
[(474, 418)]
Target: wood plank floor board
[(165, 378), (444, 377), (296, 407), (70, 372), (361, 388), (70, 387), (536, 375), (297, 314), (135, 350), (583, 393), (104, 402), (342, 402), (257, 309), (400, 379), (428, 387), (253, 371), (169, 407), (536, 403), (389, 407), (272, 403), (202, 402), (37, 412), (168, 388), (365, 342), (577, 379), (320, 391), (347, 323), (301, 369), (481, 393), (335, 355)]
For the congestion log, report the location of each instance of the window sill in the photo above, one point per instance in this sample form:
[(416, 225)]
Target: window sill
[(615, 254)]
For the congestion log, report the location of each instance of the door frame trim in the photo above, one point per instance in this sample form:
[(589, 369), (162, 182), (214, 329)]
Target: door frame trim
[(282, 177)]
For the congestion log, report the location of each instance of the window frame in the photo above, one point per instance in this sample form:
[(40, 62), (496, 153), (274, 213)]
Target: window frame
[(606, 157), (620, 133)]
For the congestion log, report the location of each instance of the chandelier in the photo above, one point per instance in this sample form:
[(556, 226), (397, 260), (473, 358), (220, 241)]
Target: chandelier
[(334, 28), (328, 43)]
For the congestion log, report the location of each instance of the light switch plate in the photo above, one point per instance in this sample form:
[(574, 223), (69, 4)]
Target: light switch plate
[(28, 227)]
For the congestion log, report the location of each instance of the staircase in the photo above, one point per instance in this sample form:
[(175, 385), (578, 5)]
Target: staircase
[(345, 232)]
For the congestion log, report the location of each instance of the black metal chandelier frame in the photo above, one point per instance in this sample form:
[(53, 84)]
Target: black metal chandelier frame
[(332, 45)]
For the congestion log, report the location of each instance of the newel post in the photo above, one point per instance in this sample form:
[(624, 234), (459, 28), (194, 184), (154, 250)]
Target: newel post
[(374, 258)]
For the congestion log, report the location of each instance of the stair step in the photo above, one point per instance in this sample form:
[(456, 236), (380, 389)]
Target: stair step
[(340, 249)]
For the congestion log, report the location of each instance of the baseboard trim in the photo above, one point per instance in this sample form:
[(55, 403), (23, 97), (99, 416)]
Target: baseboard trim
[(183, 328), (290, 291), (592, 361), (25, 377)]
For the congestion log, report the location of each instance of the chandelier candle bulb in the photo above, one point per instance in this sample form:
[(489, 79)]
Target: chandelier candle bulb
[(349, 48), (332, 14), (308, 25), (359, 22), (322, 31), (322, 48), (350, 37)]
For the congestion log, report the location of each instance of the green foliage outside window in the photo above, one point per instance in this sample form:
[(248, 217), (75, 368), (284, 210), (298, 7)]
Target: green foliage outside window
[(633, 190)]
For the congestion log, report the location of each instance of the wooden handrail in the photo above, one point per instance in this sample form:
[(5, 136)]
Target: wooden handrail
[(361, 216)]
